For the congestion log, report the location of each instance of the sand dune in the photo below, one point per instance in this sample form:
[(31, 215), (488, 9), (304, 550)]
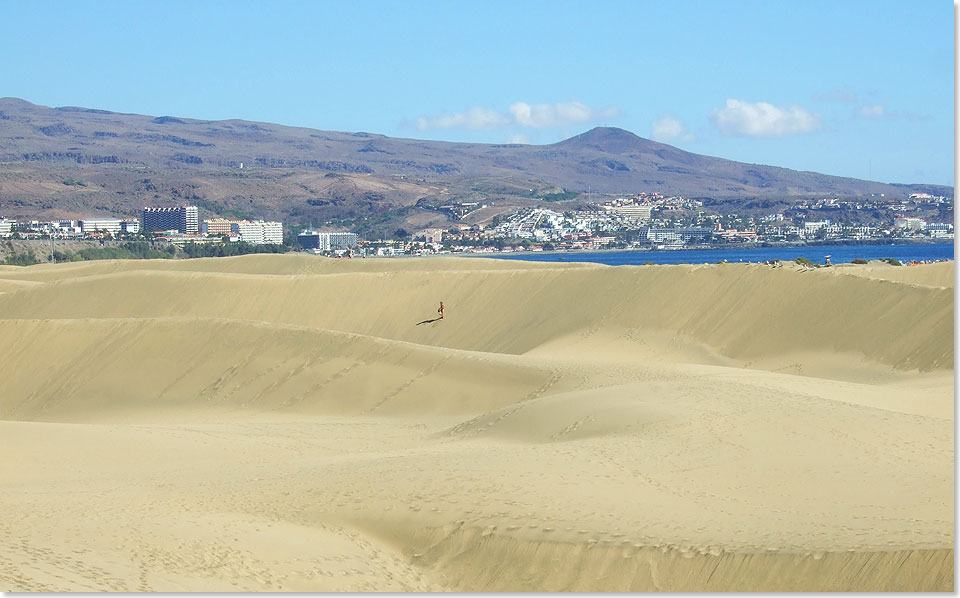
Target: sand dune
[(302, 424), (741, 311), (940, 274)]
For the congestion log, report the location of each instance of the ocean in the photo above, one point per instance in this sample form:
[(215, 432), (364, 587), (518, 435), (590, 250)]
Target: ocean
[(839, 254)]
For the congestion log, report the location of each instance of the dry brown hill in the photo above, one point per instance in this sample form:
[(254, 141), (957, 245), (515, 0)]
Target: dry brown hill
[(77, 161)]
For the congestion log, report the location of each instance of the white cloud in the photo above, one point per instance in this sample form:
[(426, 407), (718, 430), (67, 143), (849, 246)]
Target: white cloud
[(668, 128), (474, 118), (519, 114), (762, 119), (875, 111), (556, 115), (518, 138)]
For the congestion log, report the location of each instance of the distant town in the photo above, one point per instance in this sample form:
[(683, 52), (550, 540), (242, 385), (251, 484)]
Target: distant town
[(642, 221), (657, 221)]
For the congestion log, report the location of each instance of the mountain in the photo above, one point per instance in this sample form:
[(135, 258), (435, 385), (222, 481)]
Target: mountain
[(72, 162)]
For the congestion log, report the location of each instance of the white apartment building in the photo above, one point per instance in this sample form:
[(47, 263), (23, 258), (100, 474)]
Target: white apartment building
[(107, 225), (65, 227), (910, 223), (638, 213), (657, 234), (260, 232), (861, 231), (940, 231), (6, 227), (338, 241), (330, 241), (810, 228)]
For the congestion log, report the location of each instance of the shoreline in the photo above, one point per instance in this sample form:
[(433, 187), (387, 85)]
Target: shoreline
[(724, 253), (717, 247)]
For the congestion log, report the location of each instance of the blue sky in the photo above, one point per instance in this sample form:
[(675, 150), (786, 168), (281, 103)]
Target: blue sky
[(845, 87)]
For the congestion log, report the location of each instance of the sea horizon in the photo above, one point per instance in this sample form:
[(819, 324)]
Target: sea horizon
[(839, 254)]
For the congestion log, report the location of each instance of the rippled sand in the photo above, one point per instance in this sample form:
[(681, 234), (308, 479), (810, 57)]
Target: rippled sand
[(292, 423)]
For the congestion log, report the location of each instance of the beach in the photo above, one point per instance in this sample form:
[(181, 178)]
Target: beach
[(295, 423)]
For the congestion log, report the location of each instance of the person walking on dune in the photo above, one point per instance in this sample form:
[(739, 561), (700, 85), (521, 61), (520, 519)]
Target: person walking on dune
[(440, 310)]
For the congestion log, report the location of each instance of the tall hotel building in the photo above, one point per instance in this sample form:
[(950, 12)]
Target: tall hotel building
[(181, 218)]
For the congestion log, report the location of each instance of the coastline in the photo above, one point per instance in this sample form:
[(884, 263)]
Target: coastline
[(721, 247), (722, 253)]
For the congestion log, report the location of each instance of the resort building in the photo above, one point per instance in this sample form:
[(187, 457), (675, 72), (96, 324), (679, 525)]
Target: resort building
[(811, 228), (678, 235), (636, 213), (260, 232), (106, 225), (911, 223), (939, 230), (181, 218), (309, 239), (220, 226)]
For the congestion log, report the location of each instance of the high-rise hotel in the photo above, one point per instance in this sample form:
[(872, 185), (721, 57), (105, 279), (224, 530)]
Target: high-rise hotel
[(181, 218)]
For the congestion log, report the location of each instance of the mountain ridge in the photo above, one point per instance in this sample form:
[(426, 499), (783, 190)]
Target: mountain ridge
[(302, 175)]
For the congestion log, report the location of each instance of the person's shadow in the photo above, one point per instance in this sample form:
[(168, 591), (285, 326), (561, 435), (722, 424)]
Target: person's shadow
[(428, 321)]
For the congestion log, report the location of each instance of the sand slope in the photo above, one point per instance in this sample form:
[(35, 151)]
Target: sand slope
[(302, 424)]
